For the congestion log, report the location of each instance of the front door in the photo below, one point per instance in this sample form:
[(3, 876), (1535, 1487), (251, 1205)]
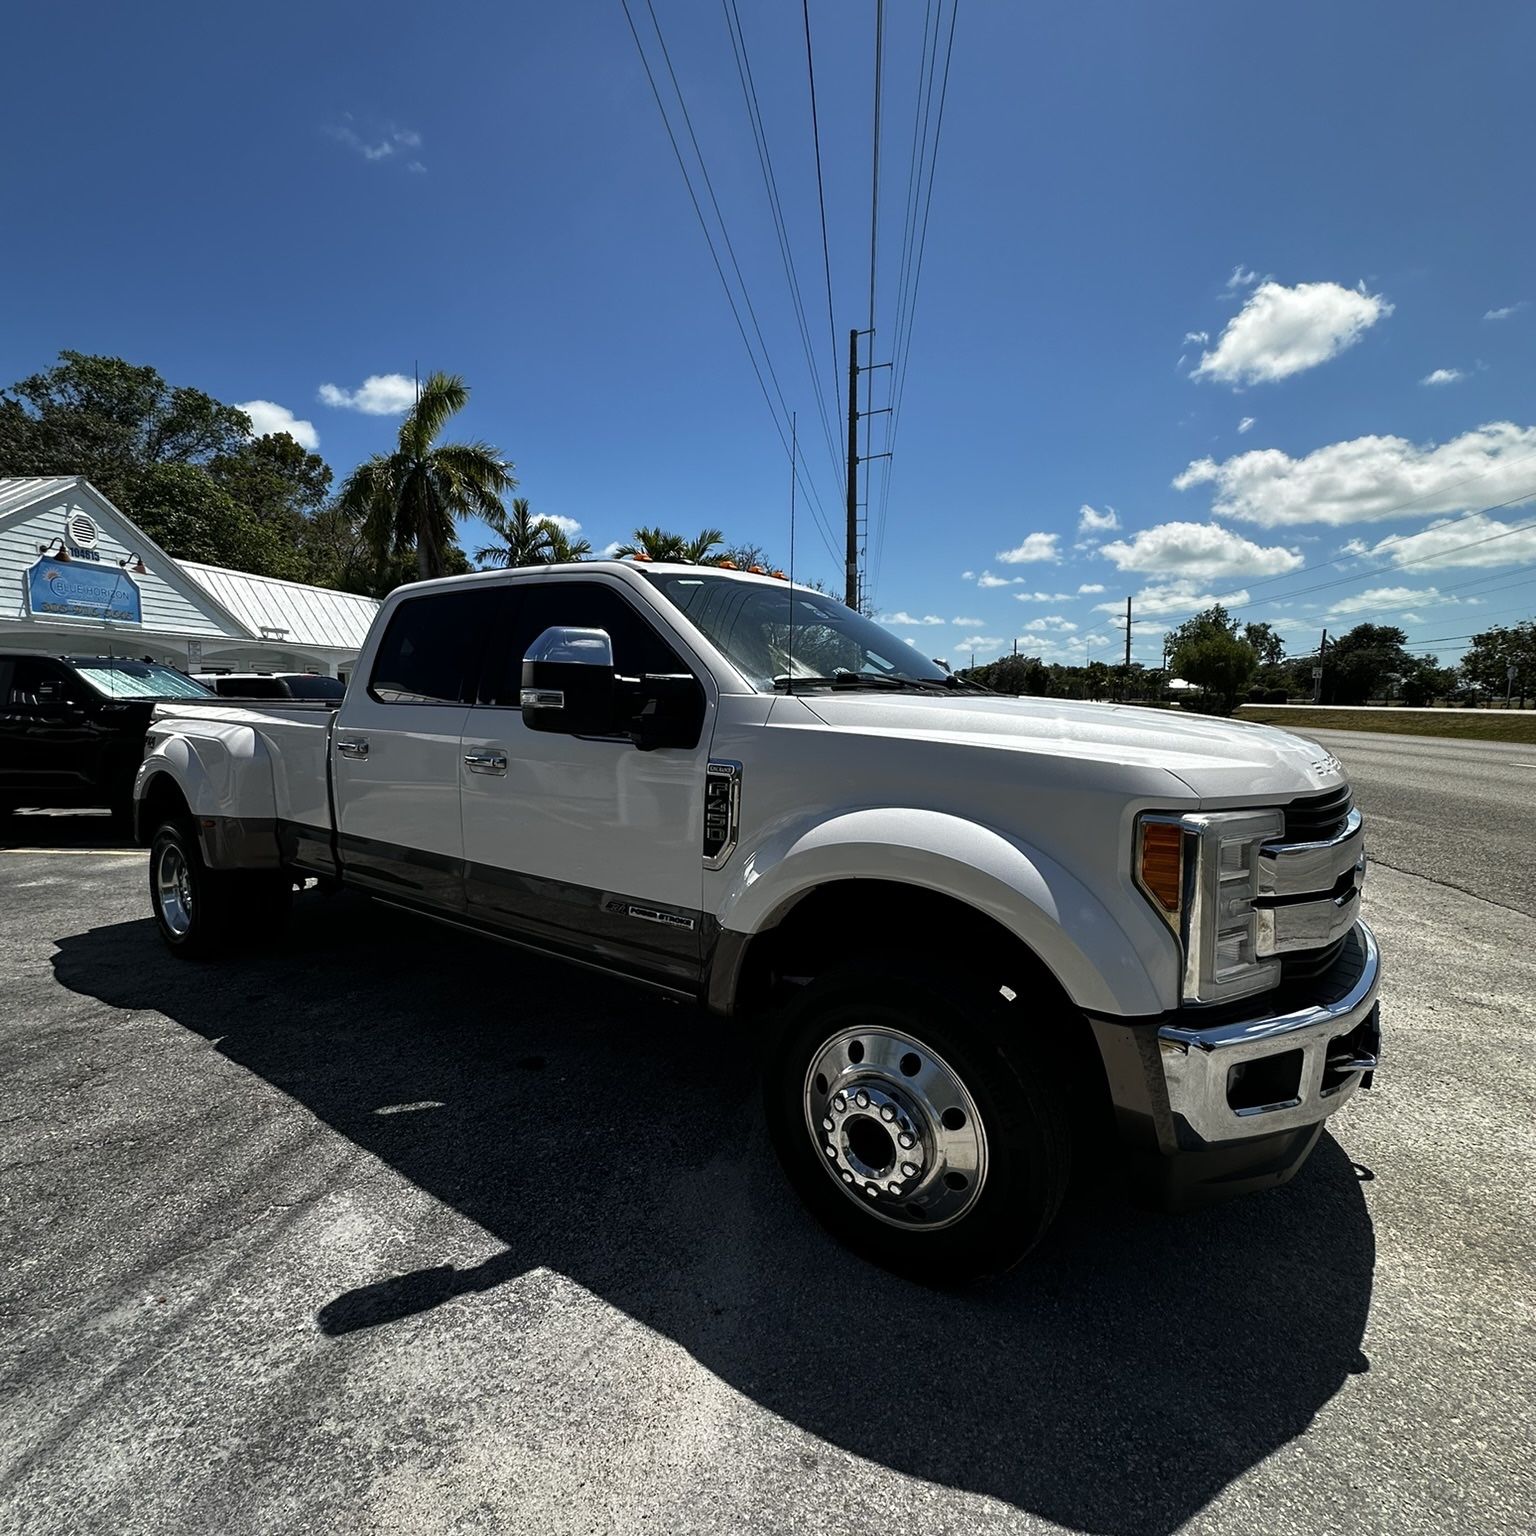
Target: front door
[(587, 846), (396, 746)]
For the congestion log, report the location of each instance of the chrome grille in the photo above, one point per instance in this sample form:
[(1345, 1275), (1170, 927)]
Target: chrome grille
[(1317, 818)]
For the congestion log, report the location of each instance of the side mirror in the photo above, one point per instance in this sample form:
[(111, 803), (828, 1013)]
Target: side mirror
[(568, 683)]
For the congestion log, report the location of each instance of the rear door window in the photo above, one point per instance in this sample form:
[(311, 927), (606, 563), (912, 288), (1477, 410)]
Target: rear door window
[(432, 650)]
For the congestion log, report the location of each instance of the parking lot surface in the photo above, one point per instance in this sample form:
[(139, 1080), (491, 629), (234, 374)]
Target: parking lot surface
[(393, 1229)]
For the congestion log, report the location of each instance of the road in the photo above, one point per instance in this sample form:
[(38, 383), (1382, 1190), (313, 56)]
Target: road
[(1460, 813), (394, 1230)]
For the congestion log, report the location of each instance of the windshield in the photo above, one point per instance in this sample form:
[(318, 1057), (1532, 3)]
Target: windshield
[(123, 679), (828, 645)]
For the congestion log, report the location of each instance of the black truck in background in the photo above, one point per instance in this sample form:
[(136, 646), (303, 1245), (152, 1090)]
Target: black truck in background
[(72, 727)]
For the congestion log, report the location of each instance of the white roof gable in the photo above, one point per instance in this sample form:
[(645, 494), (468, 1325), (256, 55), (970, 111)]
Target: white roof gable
[(33, 511)]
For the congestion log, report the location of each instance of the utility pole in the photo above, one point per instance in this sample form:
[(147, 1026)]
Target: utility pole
[(1317, 671), (851, 569), (1125, 688)]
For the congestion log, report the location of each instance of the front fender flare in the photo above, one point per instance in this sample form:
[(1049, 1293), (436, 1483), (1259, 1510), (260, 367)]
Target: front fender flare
[(1102, 968)]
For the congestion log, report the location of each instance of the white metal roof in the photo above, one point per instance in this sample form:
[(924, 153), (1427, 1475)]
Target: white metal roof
[(308, 616), (23, 490)]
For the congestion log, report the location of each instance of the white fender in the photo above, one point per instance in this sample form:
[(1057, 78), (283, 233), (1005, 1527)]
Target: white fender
[(1101, 966), (225, 774)]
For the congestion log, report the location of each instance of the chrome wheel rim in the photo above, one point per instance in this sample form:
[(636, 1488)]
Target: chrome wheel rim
[(895, 1128), (173, 890)]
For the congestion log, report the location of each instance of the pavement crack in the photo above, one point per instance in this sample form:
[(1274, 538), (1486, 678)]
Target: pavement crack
[(1451, 885)]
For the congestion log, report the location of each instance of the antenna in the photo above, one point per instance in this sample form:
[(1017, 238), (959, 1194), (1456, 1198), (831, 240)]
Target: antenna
[(789, 649)]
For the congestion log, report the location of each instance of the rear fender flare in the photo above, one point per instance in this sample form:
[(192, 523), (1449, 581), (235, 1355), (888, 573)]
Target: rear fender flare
[(225, 775)]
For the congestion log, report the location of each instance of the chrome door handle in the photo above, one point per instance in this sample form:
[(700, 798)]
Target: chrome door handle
[(486, 762), (354, 749)]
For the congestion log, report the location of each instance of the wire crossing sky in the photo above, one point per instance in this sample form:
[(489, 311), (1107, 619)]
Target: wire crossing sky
[(1179, 305)]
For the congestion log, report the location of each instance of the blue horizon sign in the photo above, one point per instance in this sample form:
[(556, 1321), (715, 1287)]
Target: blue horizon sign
[(70, 589)]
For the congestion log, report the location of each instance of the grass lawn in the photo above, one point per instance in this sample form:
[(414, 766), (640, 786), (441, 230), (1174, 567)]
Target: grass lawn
[(1515, 725)]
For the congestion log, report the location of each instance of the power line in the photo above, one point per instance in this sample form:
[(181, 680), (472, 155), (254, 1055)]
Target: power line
[(821, 203), (812, 499), (1240, 595), (899, 374), (917, 155), (776, 208)]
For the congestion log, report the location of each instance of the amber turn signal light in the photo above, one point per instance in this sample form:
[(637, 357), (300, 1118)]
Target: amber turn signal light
[(1160, 866)]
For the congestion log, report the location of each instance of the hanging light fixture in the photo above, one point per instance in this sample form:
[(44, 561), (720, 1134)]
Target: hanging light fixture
[(134, 565), (63, 553)]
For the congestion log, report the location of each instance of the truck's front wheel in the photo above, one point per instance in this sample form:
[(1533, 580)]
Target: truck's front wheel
[(914, 1120), (201, 911)]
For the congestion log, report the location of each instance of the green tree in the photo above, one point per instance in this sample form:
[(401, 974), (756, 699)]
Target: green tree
[(529, 540), (1426, 681), (110, 420), (660, 544), (1491, 654), (409, 500), (1359, 664), (188, 513), (1207, 651)]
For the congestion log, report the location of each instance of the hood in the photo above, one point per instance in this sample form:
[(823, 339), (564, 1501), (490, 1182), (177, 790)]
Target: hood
[(1217, 759)]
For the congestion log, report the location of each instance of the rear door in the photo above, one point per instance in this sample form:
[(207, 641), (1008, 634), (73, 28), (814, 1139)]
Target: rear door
[(587, 844), (396, 747)]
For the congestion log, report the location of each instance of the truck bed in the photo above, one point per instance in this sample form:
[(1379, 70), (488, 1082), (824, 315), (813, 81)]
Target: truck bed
[(293, 735)]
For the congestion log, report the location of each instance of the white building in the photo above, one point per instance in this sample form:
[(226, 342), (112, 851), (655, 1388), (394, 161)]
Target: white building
[(78, 578)]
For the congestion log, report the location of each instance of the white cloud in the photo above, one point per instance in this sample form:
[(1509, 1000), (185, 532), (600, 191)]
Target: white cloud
[(1242, 278), (987, 579), (1172, 598), (967, 575), (1281, 331), (907, 618), (1469, 541), (1507, 310), (1200, 551), (1245, 425), (1089, 587), (267, 416), (379, 144), (1197, 338), (1052, 621), (1375, 599), (611, 549), (969, 623), (380, 394), (1089, 521), (1367, 478), (566, 525), (1036, 547), (1443, 376), (1042, 597), (978, 643)]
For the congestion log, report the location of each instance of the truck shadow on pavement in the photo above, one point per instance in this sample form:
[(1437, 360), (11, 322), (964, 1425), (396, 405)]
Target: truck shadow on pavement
[(1116, 1383)]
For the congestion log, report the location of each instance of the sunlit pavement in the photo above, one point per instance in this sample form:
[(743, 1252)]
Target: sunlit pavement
[(393, 1229)]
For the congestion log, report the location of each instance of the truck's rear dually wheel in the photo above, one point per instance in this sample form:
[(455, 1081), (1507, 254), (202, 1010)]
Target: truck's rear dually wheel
[(202, 912), (916, 1123)]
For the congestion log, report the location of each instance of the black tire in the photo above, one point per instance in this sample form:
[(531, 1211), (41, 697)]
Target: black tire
[(1000, 1055), (214, 911)]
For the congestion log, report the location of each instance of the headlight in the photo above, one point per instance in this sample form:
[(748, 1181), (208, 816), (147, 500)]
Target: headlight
[(1201, 873)]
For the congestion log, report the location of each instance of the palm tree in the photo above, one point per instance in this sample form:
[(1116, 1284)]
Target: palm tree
[(659, 544), (563, 549), (528, 540), (410, 498)]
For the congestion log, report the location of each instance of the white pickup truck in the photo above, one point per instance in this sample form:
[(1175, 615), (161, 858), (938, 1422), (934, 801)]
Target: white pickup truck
[(976, 936)]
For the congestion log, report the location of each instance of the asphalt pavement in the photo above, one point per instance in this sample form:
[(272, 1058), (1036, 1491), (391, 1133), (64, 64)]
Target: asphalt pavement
[(1460, 813), (392, 1229)]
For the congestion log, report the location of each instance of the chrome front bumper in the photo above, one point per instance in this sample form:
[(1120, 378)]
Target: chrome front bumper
[(1257, 1077)]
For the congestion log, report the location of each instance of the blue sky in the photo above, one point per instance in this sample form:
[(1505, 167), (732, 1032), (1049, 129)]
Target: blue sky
[(1151, 225)]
